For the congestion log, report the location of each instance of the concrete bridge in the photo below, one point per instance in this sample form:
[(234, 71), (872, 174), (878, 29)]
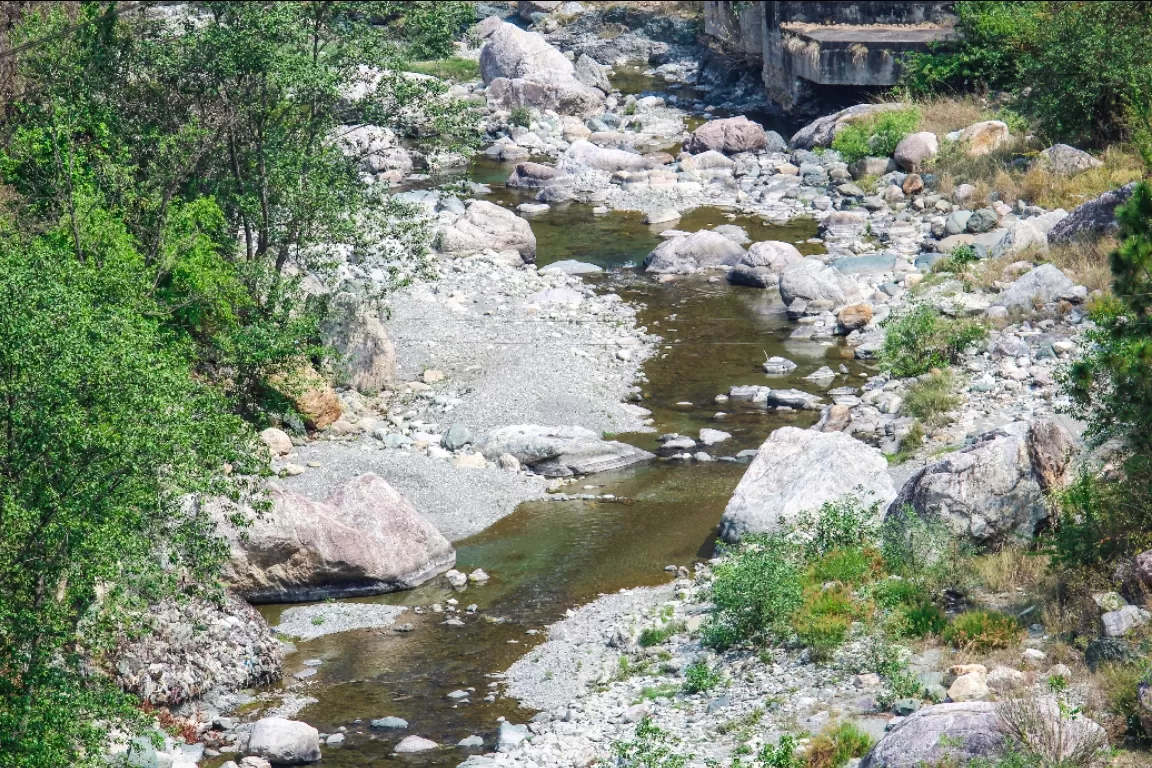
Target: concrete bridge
[(807, 50)]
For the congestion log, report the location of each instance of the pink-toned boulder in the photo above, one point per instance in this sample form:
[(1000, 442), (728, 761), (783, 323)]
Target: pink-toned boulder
[(984, 138), (730, 135), (365, 539)]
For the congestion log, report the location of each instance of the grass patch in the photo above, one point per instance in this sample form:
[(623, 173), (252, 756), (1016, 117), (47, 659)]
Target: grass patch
[(1011, 568), (455, 69), (825, 619), (932, 396), (1085, 262), (909, 445), (852, 567), (983, 631), (521, 116), (836, 745), (662, 691), (657, 635), (944, 114)]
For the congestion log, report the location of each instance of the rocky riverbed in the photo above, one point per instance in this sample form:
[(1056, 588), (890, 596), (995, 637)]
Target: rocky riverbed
[(594, 376)]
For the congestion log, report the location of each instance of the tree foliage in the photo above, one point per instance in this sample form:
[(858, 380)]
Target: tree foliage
[(1082, 69)]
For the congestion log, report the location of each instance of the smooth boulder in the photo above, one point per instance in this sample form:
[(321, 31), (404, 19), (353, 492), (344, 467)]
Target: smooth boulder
[(915, 149), (812, 280), (952, 734), (284, 742), (689, 253), (729, 135), (996, 489), (1065, 160), (1092, 219), (536, 176), (560, 451), (486, 225), (1041, 285), (367, 360), (584, 154), (365, 539), (521, 69), (796, 470), (773, 255), (984, 138)]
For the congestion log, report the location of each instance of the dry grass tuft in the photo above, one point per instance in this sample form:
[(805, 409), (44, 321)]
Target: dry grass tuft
[(1086, 262), (943, 114), (1011, 569), (1122, 164)]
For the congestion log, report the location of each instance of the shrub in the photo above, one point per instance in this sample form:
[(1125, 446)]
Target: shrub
[(891, 593), (521, 116), (876, 136), (1119, 684), (930, 398), (653, 747), (782, 754), (454, 68), (958, 261), (835, 746), (754, 593), (925, 551), (842, 524), (983, 631), (920, 339), (888, 660), (656, 635), (701, 677), (920, 620)]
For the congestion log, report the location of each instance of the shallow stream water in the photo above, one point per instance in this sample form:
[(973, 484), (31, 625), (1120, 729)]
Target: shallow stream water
[(551, 556)]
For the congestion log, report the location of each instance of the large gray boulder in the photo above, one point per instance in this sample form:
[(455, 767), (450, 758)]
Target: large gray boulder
[(688, 253), (584, 154), (915, 149), (995, 489), (1094, 218), (1065, 160), (486, 225), (365, 539), (820, 132), (192, 646), (367, 357), (773, 255), (1042, 285), (797, 470), (284, 742), (813, 280), (521, 69), (592, 73), (729, 135), (560, 451), (944, 734)]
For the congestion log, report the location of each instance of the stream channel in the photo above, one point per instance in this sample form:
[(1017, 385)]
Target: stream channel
[(548, 557)]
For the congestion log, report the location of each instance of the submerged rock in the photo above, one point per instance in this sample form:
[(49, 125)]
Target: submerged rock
[(284, 742), (365, 539), (560, 451), (797, 470), (688, 253), (812, 280)]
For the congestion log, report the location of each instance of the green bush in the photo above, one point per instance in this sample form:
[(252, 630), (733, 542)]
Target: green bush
[(521, 116), (894, 592), (846, 523), (823, 622), (920, 339), (958, 261), (926, 552), (836, 745), (920, 620), (875, 136), (701, 677), (983, 631), (754, 593), (1080, 69), (653, 747)]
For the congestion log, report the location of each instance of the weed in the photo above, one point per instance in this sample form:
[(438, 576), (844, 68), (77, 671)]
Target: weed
[(754, 592), (657, 635), (894, 592), (701, 677), (983, 631), (653, 747), (782, 754), (909, 444), (1009, 569), (932, 396), (317, 621), (823, 622), (741, 724), (844, 523), (521, 116), (853, 567), (920, 619), (662, 691)]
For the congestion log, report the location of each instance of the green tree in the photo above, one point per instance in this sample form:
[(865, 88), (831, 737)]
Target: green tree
[(103, 434), (232, 118)]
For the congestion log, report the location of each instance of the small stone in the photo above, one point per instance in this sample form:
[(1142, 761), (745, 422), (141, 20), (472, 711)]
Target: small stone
[(432, 376), (278, 442), (1033, 657), (510, 735), (456, 579), (478, 576), (1109, 601), (508, 462), (457, 695), (1123, 621), (469, 461), (471, 742), (969, 687), (390, 723), (413, 744), (335, 740), (1005, 679)]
